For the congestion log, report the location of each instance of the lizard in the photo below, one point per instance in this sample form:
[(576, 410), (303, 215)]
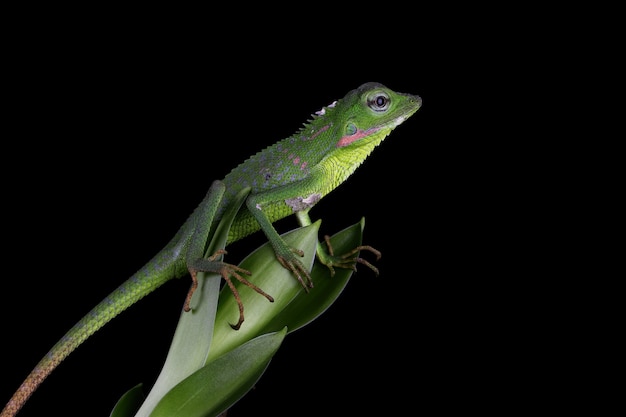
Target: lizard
[(286, 178)]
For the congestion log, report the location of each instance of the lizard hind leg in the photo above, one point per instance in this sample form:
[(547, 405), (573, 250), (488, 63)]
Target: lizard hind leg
[(233, 270), (227, 271)]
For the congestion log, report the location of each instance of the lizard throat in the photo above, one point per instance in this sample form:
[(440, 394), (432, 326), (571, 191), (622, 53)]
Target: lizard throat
[(341, 163)]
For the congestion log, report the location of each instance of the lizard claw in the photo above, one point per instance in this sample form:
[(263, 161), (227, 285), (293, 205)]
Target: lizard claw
[(296, 268), (348, 260), (232, 270), (227, 271)]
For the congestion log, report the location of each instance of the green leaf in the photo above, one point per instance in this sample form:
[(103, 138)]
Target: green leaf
[(218, 385), (292, 309), (192, 338), (274, 279), (129, 403), (293, 306), (306, 307)]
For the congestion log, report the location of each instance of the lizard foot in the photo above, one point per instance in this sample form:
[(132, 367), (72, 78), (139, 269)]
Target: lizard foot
[(297, 268), (348, 260), (226, 271)]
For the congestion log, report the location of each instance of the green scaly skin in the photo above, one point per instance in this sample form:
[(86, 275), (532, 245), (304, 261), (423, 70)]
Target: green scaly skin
[(286, 178)]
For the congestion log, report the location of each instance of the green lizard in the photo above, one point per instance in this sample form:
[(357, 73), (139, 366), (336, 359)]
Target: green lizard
[(286, 178)]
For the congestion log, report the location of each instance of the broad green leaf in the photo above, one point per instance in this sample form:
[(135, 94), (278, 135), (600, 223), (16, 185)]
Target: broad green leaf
[(129, 403), (298, 308), (192, 337), (271, 277), (306, 307), (218, 385), (293, 306)]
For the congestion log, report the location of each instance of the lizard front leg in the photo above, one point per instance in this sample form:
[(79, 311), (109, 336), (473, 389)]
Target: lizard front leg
[(347, 260), (286, 255)]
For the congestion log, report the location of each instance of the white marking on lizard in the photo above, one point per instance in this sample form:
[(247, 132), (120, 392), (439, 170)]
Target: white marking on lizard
[(323, 111), (399, 120), (303, 203)]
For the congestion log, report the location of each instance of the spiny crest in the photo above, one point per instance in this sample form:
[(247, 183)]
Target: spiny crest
[(320, 116)]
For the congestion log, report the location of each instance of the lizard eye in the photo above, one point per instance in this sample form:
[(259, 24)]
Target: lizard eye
[(379, 102)]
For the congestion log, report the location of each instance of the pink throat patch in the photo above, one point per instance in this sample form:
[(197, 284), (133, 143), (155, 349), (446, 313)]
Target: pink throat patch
[(348, 139)]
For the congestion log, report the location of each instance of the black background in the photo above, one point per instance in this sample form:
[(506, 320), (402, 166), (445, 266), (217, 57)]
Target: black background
[(115, 122), (116, 142)]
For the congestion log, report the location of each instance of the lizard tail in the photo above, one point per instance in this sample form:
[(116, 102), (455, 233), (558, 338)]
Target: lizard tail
[(139, 285)]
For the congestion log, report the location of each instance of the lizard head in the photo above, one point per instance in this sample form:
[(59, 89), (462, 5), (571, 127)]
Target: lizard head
[(354, 125), (371, 112)]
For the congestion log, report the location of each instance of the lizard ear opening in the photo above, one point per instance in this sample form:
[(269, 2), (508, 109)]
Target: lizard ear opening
[(351, 129)]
